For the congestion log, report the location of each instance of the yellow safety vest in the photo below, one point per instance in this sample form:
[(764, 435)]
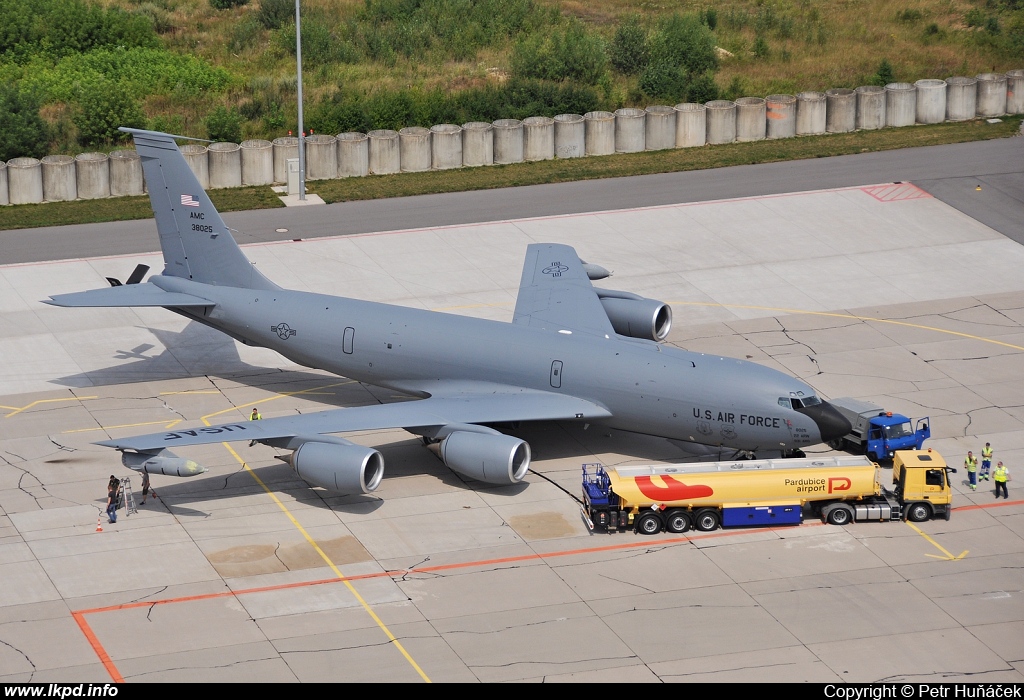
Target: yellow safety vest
[(1000, 474), (986, 454), (256, 417), (971, 463)]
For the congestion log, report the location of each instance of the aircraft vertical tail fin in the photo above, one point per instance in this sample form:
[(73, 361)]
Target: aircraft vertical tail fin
[(196, 243)]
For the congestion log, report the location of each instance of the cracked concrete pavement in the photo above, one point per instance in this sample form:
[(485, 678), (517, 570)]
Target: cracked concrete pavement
[(909, 303)]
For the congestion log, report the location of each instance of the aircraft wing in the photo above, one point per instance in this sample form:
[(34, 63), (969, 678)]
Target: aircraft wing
[(555, 292), (146, 294), (508, 405)]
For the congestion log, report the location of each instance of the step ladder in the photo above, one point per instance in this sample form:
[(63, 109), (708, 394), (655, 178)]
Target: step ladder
[(125, 497)]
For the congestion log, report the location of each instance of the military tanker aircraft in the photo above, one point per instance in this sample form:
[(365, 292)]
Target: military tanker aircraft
[(573, 352)]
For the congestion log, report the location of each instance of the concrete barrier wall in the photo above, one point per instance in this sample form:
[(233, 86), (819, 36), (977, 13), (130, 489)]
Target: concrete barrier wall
[(385, 152), (840, 110), (570, 136), (445, 146), (321, 157), (751, 118), (353, 154), (477, 144), (810, 113), (25, 180), (508, 141), (659, 128), (780, 116), (1015, 92), (931, 101), (600, 133), (630, 130), (126, 177), (257, 157), (92, 175), (900, 104), (60, 182), (991, 95), (285, 147), (538, 138), (870, 107), (225, 161), (721, 121), (691, 125)]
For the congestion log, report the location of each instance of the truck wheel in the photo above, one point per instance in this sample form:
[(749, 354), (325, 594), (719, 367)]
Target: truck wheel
[(872, 456), (918, 512), (839, 515), (648, 524), (678, 521), (707, 520)]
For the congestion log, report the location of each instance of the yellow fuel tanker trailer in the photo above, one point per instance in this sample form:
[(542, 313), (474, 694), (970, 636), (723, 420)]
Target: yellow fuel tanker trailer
[(838, 490)]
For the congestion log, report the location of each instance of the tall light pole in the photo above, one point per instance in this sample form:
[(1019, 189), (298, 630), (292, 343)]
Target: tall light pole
[(302, 130)]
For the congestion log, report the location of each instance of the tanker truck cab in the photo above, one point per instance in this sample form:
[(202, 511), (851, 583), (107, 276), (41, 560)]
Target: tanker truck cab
[(921, 484)]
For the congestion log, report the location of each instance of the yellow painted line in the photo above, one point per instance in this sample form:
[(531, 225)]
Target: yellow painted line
[(948, 556), (331, 564), (126, 425), (36, 403), (305, 534), (857, 318)]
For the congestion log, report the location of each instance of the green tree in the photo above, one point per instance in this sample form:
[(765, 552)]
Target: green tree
[(22, 131), (224, 124), (105, 106), (629, 51), (685, 41), (569, 54)]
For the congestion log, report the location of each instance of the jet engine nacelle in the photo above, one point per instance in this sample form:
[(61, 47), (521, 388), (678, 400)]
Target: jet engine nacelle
[(637, 317), (342, 468), (165, 462), (493, 458)]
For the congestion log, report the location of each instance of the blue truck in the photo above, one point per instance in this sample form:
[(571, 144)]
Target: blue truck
[(878, 433)]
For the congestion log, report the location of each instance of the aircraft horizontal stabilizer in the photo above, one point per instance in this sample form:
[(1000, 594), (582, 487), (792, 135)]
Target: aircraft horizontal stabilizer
[(146, 294)]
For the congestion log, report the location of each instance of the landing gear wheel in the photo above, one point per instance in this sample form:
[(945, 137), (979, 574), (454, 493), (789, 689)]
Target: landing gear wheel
[(677, 521), (707, 520), (836, 444), (648, 524), (918, 512)]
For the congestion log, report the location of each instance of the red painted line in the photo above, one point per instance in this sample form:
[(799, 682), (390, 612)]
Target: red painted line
[(895, 192), (97, 647), (104, 658), (997, 504)]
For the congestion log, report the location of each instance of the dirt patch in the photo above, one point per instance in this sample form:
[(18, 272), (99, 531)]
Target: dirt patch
[(542, 526)]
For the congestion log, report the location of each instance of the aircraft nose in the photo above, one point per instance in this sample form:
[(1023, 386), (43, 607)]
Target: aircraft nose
[(831, 423)]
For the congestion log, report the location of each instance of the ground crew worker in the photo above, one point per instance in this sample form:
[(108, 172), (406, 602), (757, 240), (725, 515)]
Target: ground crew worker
[(112, 486), (145, 488), (255, 416), (986, 461), (971, 465), (1000, 477)]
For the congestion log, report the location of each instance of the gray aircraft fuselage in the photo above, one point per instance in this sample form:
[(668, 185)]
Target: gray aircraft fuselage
[(648, 388)]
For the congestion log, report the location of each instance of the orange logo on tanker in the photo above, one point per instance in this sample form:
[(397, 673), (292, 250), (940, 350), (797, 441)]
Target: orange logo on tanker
[(672, 491), (840, 483)]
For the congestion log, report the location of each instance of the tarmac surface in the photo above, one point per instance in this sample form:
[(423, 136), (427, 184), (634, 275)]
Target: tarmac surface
[(879, 291)]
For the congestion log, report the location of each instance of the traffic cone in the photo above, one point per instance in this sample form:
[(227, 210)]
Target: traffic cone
[(99, 523)]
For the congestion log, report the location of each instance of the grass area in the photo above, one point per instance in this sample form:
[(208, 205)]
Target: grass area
[(536, 173)]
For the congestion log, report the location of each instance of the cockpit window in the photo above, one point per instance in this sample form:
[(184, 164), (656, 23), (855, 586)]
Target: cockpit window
[(797, 400)]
